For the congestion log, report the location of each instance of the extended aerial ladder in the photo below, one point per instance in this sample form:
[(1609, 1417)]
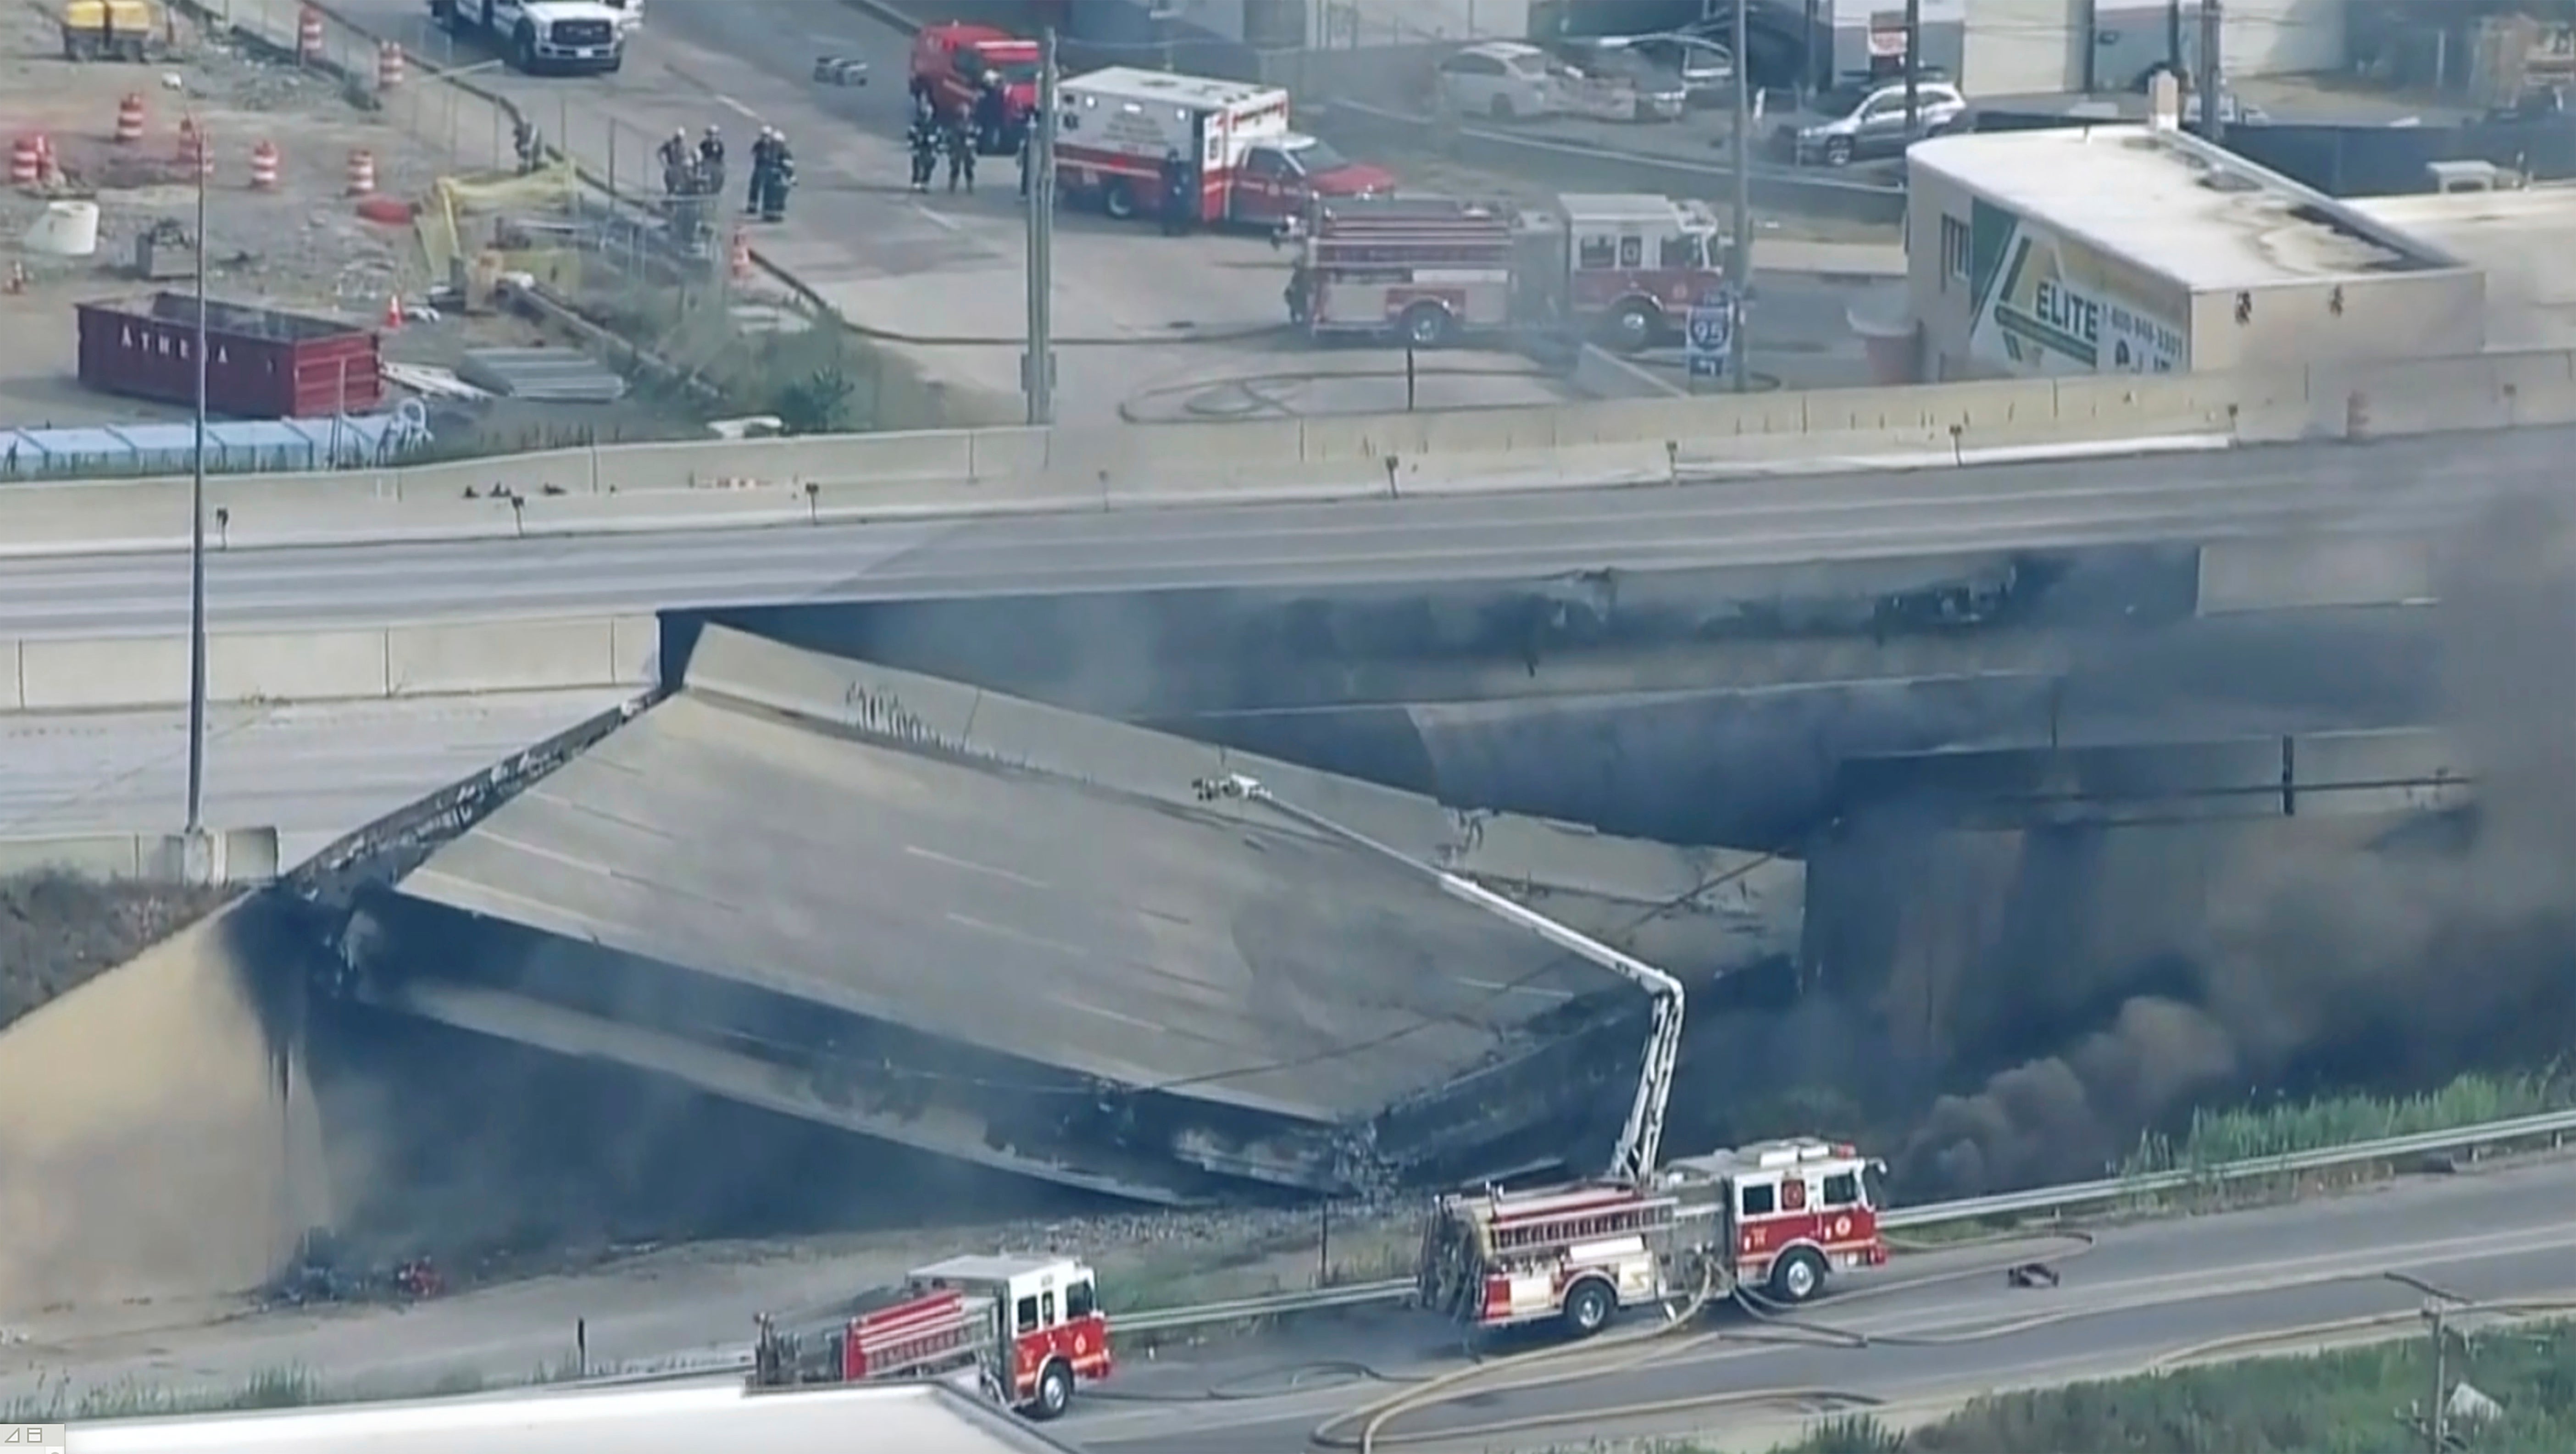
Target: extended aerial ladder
[(1634, 1159)]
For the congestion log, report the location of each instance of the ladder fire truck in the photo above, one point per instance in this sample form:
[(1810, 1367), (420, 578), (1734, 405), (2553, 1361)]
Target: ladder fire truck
[(1623, 269), (1777, 1217), (1030, 1327)]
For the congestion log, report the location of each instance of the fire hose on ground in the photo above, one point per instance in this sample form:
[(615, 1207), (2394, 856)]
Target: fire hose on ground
[(1374, 1418)]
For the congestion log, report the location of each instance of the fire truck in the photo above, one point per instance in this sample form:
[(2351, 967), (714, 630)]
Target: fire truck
[(950, 62), (1776, 1218), (1115, 128), (1620, 268), (1030, 1327)]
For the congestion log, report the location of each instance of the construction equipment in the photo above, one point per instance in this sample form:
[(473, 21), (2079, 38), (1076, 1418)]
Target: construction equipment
[(1030, 1328), (111, 30), (1623, 269)]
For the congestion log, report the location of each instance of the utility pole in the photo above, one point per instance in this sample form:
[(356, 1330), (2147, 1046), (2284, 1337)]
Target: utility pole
[(2213, 24), (1913, 71), (2436, 1412), (1739, 264), (200, 864), (1037, 366)]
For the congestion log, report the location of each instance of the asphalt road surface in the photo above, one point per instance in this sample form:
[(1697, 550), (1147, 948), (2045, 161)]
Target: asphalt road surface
[(1939, 1325), (2397, 486), (313, 771), (948, 265)]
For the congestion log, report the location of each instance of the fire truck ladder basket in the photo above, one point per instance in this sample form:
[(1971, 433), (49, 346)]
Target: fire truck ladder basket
[(1634, 1159)]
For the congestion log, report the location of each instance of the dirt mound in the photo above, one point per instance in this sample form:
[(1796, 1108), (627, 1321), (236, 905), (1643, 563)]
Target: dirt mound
[(58, 931)]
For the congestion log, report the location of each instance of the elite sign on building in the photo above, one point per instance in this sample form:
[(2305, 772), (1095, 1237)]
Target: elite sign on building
[(2047, 304)]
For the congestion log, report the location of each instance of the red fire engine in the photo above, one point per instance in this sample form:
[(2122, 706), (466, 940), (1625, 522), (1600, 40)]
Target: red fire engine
[(1622, 268), (1031, 1326), (1775, 1218), (1116, 128), (950, 62), (1779, 1216)]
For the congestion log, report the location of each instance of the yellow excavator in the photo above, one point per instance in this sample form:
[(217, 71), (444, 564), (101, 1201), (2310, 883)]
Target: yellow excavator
[(110, 30)]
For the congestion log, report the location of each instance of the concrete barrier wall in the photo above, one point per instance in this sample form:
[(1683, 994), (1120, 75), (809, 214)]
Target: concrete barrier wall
[(109, 673), (714, 484), (241, 856)]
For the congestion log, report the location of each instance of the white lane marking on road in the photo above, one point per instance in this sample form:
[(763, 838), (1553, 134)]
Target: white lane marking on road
[(934, 856), (941, 218), (736, 107)]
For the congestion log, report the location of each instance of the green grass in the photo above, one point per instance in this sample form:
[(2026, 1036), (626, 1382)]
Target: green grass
[(283, 1388), (2354, 1401), (2215, 1138)]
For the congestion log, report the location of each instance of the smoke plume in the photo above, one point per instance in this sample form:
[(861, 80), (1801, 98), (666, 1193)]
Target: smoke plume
[(2391, 965)]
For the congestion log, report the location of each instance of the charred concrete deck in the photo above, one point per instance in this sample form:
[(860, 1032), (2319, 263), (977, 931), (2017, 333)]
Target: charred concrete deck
[(969, 923)]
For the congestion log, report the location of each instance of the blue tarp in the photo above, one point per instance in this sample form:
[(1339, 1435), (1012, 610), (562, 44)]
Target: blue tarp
[(254, 446)]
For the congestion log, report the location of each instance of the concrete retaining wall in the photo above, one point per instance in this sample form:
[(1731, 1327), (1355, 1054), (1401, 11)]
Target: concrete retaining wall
[(100, 674), (963, 472), (241, 856)]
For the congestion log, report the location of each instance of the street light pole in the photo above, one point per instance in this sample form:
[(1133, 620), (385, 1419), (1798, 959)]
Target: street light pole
[(1739, 266), (196, 825), (1038, 364)]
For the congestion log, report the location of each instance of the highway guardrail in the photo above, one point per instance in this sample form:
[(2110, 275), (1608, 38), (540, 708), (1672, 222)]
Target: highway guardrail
[(2069, 1197), (960, 470), (434, 659)]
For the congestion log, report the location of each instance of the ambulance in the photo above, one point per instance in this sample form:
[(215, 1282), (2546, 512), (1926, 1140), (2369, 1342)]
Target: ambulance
[(1115, 127)]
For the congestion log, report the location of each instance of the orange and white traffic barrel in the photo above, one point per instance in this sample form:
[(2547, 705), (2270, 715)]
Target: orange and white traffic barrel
[(362, 174), (389, 65), (308, 36), (27, 160), (263, 167), (193, 151), (129, 120), (740, 259)]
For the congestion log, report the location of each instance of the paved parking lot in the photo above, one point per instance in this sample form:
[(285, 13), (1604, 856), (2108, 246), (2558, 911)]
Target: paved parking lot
[(1157, 327)]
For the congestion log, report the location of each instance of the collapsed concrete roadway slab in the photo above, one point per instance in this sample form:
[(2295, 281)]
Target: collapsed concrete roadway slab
[(1009, 934)]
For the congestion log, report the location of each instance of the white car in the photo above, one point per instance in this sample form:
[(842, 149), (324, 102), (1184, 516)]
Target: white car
[(1503, 79)]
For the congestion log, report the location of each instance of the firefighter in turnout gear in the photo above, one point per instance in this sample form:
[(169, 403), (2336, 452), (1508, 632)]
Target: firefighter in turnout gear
[(764, 155), (1178, 203), (961, 156), (711, 163), (676, 158), (923, 139), (992, 113), (779, 180)]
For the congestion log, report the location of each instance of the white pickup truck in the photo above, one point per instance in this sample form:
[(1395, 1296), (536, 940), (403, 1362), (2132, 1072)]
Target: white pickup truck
[(536, 36)]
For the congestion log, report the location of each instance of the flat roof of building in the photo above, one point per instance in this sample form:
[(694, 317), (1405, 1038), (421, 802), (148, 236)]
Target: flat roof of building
[(1206, 951), (2519, 238), (917, 1418), (2175, 206)]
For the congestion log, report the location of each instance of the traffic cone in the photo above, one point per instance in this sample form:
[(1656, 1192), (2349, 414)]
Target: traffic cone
[(393, 320)]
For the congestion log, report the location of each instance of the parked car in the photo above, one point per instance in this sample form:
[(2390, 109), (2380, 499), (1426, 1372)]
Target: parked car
[(1503, 79), (1612, 81), (1707, 68), (1867, 121)]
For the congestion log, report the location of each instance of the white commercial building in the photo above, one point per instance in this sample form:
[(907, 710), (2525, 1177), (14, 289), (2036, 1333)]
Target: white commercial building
[(2020, 47), (2519, 239), (2141, 249)]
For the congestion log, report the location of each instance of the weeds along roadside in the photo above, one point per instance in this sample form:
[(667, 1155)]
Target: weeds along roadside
[(1373, 1248)]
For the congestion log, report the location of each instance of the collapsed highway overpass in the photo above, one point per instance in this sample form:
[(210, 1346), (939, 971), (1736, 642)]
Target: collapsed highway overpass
[(1009, 934)]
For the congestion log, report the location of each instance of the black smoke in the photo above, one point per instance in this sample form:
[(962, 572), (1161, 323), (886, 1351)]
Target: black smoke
[(2391, 964)]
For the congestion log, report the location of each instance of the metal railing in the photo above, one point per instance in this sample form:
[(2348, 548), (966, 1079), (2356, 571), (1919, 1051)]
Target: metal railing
[(2553, 1124)]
